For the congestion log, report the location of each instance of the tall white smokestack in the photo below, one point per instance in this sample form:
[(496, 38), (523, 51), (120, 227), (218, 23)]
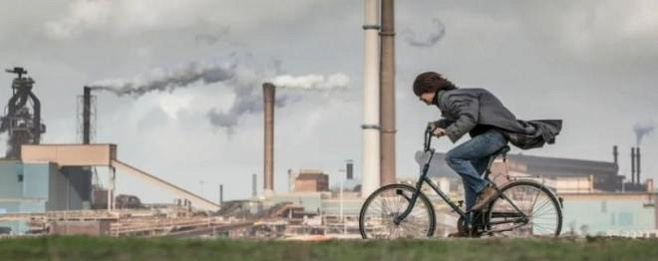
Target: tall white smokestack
[(371, 127)]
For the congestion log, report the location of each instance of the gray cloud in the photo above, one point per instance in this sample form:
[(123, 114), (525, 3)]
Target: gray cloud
[(430, 40), (211, 38)]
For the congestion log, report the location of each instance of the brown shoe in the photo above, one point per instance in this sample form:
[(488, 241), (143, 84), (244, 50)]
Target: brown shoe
[(484, 198)]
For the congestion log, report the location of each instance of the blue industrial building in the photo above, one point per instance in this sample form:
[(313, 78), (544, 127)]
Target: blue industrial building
[(609, 213), (40, 187)]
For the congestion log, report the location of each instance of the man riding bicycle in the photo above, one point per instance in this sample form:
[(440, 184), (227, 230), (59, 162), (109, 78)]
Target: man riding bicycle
[(490, 124)]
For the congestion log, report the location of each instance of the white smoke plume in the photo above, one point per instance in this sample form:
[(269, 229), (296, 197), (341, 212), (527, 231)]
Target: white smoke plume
[(249, 97), (167, 80), (642, 129), (312, 82), (243, 78), (430, 40)]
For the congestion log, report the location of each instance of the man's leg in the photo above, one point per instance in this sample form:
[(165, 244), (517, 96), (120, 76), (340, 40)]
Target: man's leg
[(481, 165), (470, 195), (460, 157)]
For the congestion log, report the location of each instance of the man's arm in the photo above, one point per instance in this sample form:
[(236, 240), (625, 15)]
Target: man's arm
[(466, 108), (442, 123), (438, 127)]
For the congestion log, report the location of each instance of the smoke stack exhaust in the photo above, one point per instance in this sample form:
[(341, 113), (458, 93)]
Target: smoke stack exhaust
[(268, 115), (633, 165)]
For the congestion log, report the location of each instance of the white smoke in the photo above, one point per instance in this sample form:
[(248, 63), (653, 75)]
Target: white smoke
[(312, 81), (249, 99), (243, 78), (642, 129), (430, 40)]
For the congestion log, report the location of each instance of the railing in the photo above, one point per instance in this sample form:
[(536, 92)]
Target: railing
[(157, 225)]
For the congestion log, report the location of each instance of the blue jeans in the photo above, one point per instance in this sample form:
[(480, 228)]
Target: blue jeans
[(470, 160)]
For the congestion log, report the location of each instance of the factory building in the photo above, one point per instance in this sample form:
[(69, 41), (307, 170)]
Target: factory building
[(561, 174), (58, 177), (608, 213), (40, 187), (310, 181)]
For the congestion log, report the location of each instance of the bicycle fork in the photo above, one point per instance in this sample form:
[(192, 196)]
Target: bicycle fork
[(412, 202)]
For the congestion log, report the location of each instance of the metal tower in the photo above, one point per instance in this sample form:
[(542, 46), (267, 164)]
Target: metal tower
[(23, 120)]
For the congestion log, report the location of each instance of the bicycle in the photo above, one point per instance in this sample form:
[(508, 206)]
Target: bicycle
[(522, 208)]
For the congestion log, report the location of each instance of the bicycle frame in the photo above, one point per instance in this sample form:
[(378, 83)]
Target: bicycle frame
[(424, 179)]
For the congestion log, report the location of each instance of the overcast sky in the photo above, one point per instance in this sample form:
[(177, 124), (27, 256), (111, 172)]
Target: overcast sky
[(591, 63)]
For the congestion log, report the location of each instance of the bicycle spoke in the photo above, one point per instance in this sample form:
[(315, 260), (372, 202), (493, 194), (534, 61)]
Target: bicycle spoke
[(384, 207), (541, 206), (536, 196), (542, 213)]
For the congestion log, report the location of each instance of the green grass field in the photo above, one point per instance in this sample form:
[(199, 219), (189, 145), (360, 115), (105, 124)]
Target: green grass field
[(87, 248)]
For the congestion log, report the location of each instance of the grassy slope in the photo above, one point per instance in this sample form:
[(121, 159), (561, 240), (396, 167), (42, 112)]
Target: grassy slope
[(85, 248)]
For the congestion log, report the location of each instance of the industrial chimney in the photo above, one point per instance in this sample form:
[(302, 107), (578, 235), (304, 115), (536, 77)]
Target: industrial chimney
[(350, 170), (632, 165), (268, 115), (86, 115), (254, 186), (637, 170), (387, 81), (221, 194), (615, 155), (371, 129)]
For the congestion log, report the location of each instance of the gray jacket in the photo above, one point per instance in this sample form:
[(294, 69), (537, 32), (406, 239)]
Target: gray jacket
[(463, 109)]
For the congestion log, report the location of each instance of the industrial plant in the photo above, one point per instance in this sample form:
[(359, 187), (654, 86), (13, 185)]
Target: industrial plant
[(55, 188)]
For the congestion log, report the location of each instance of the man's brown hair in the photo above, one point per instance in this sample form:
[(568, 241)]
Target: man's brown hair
[(431, 82)]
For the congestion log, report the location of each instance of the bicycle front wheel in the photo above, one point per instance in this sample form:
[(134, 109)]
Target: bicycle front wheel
[(388, 202), (542, 213)]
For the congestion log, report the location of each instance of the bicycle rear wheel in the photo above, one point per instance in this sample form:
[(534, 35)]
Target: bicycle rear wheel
[(543, 213), (387, 203)]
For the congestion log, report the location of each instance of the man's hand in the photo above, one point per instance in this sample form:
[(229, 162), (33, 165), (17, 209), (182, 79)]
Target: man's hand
[(439, 132), (436, 131)]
